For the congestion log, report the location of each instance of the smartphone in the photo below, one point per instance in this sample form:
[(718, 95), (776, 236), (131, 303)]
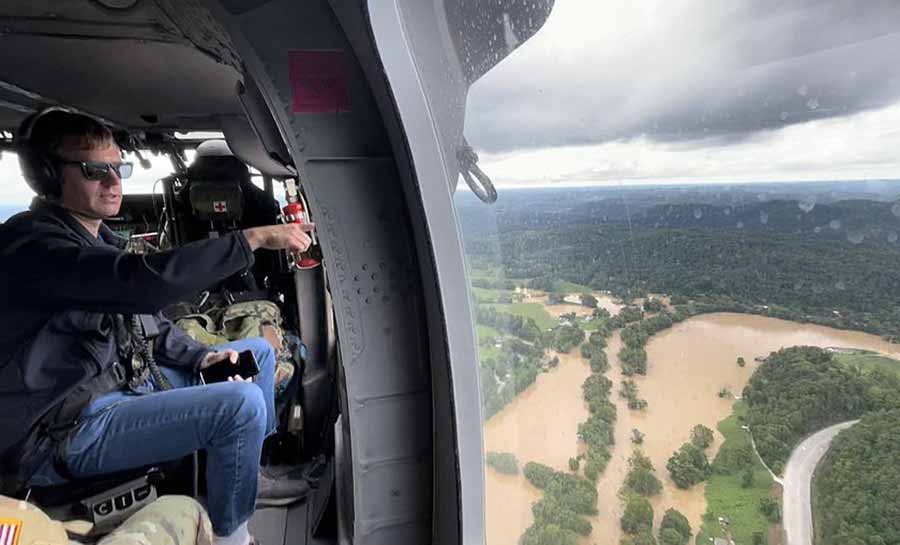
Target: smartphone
[(246, 367)]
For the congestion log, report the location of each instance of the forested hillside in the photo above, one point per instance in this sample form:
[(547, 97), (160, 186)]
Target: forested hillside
[(857, 487), (836, 264), (801, 390)]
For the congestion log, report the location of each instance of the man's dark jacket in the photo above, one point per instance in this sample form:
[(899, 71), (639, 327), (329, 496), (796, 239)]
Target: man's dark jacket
[(58, 286)]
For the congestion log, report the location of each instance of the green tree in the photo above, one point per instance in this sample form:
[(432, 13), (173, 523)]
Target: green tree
[(675, 522), (701, 436), (670, 536), (630, 314), (758, 538), (634, 361), (641, 478), (652, 305), (688, 466), (638, 515), (771, 509), (747, 478), (857, 484), (741, 362), (503, 462), (637, 437), (550, 534), (589, 300), (599, 362), (550, 511), (644, 537), (573, 464)]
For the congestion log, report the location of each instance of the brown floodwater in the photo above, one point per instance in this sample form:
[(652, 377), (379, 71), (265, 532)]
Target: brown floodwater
[(688, 364), (539, 425)]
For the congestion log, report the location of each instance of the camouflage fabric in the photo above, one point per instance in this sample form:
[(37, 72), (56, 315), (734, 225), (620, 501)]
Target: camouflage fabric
[(242, 321), (170, 520), (201, 328)]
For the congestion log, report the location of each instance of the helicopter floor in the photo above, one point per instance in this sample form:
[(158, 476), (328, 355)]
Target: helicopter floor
[(294, 524)]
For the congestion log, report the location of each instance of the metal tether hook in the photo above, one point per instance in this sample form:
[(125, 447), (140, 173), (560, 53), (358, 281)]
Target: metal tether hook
[(468, 166)]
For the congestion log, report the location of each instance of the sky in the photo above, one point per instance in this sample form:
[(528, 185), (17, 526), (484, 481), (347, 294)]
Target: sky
[(619, 91), (628, 92)]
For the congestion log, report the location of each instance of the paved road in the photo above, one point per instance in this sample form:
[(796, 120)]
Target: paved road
[(797, 478)]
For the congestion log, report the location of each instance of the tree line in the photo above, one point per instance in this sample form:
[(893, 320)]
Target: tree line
[(800, 390), (809, 278), (857, 487), (558, 515)]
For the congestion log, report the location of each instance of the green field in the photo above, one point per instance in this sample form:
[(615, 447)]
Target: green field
[(571, 287), (488, 353), (725, 497), (869, 360), (486, 331), (535, 311)]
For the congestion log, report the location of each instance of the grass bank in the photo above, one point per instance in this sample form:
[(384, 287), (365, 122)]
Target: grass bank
[(725, 494), (868, 361)]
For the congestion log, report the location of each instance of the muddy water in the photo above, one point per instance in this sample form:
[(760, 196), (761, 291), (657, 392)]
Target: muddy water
[(689, 363), (539, 425)]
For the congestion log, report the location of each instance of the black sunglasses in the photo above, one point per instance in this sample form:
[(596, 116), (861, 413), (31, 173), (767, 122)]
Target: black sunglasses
[(98, 171)]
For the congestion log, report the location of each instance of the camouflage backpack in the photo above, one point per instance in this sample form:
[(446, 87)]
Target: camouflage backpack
[(242, 321)]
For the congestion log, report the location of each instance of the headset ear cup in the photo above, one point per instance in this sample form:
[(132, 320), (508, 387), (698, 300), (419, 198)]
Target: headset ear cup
[(50, 176), (39, 171)]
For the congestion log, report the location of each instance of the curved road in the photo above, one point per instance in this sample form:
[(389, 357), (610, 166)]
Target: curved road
[(797, 478)]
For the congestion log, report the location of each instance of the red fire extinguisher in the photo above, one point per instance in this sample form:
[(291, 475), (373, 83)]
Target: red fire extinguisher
[(294, 213)]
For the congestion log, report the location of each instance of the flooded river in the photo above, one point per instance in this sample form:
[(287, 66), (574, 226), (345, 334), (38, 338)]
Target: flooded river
[(688, 365)]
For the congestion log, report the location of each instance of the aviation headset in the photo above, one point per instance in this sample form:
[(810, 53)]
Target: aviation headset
[(41, 171)]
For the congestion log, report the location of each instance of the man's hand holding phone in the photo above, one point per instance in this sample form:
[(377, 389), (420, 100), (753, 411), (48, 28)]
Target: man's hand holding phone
[(228, 365)]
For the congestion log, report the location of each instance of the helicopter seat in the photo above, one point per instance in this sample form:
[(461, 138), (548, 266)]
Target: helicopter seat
[(220, 203), (103, 500)]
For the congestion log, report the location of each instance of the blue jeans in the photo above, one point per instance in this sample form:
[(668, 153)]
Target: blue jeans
[(229, 420)]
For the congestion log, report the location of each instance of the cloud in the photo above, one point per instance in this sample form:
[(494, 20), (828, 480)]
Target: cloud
[(683, 70), (862, 146)]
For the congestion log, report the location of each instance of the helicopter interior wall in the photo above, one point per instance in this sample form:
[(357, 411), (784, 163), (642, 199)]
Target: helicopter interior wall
[(362, 207), (133, 67)]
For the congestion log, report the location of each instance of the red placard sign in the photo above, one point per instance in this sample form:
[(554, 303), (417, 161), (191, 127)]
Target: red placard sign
[(318, 81)]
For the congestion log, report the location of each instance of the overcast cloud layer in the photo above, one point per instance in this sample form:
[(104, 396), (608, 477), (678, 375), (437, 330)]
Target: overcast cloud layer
[(710, 72)]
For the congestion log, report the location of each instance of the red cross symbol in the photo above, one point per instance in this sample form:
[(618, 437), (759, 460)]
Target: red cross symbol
[(220, 206)]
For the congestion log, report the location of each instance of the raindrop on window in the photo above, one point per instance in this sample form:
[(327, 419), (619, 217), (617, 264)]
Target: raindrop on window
[(807, 204), (803, 90), (892, 237), (812, 103), (839, 285), (763, 218), (856, 238), (835, 224), (817, 230), (740, 225), (698, 213), (895, 210)]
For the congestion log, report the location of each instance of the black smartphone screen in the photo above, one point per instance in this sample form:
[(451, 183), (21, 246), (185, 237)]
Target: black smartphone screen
[(246, 367)]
